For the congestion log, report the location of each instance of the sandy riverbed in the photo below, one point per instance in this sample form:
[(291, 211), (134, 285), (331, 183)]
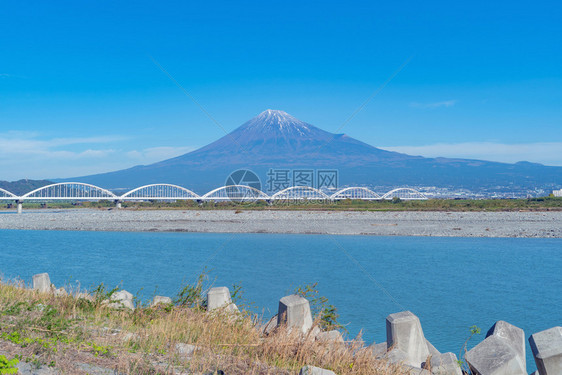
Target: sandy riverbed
[(460, 224)]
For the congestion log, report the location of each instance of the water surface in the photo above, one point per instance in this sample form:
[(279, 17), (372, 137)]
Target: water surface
[(450, 283)]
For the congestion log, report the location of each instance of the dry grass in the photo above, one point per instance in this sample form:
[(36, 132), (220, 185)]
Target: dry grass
[(66, 332)]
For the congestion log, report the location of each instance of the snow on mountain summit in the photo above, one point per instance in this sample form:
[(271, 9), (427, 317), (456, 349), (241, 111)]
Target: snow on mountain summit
[(273, 117), (275, 123)]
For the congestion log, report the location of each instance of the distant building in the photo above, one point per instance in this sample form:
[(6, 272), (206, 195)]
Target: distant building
[(557, 193)]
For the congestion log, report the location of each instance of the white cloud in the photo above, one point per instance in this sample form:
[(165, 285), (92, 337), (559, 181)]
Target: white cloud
[(28, 155), (26, 144), (445, 104), (548, 153)]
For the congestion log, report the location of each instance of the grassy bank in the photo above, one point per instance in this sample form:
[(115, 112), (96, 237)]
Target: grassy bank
[(75, 335), (461, 205)]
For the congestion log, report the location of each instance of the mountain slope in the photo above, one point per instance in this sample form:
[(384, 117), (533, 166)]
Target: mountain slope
[(275, 139), (23, 186)]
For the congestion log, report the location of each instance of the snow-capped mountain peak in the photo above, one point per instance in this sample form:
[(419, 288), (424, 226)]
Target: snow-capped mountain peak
[(275, 123), (273, 117)]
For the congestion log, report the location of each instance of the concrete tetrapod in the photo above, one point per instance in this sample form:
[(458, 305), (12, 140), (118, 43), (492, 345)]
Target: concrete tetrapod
[(294, 311), (161, 299), (42, 283), (445, 364), (122, 299), (515, 336), (547, 350), (330, 336), (405, 339), (495, 356), (219, 298)]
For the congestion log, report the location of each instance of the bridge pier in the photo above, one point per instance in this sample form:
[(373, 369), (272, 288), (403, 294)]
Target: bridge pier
[(118, 204), (20, 206)]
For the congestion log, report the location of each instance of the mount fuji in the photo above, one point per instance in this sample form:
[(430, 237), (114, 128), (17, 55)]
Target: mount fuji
[(276, 140)]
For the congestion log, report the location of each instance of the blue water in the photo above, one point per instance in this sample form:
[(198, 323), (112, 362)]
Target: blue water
[(450, 283)]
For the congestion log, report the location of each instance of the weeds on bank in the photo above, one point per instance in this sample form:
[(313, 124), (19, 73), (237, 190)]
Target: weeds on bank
[(8, 366), (327, 313), (461, 205), (58, 331), (474, 330)]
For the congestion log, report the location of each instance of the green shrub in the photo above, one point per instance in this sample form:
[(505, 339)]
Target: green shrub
[(8, 366), (320, 307)]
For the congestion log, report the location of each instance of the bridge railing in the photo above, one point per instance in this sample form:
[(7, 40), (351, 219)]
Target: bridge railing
[(72, 191), (301, 193), (360, 193), (69, 191), (6, 195), (160, 191), (235, 193)]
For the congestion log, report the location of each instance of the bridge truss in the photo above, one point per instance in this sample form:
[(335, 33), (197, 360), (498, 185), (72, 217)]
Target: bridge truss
[(77, 191)]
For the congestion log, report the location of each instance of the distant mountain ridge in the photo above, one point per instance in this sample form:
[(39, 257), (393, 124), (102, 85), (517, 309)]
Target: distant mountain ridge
[(22, 187), (276, 140)]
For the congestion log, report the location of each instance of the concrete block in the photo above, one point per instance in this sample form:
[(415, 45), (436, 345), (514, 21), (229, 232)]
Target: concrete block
[(404, 333), (294, 311), (411, 370), (445, 364), (42, 283), (219, 298), (398, 356), (379, 350), (495, 356), (515, 336), (311, 370), (161, 299), (122, 299), (60, 292), (547, 350), (185, 350), (314, 332), (270, 326), (432, 349), (330, 336)]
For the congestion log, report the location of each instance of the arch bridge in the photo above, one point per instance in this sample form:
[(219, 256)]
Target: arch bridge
[(78, 191)]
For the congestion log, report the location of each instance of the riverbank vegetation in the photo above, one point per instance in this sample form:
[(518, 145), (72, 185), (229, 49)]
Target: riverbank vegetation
[(84, 335), (460, 205)]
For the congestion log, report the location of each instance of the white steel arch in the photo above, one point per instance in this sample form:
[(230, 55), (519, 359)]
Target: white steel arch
[(6, 194), (405, 194), (355, 193), (235, 192), (69, 191), (160, 191), (300, 192)]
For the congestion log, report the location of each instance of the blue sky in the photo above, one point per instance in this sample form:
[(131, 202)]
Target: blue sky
[(79, 93)]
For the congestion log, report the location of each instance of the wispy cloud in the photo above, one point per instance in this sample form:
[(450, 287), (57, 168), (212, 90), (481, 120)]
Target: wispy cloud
[(14, 143), (433, 105), (548, 153), (29, 155)]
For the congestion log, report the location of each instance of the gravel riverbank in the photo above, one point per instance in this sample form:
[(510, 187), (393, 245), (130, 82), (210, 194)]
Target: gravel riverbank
[(457, 224)]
